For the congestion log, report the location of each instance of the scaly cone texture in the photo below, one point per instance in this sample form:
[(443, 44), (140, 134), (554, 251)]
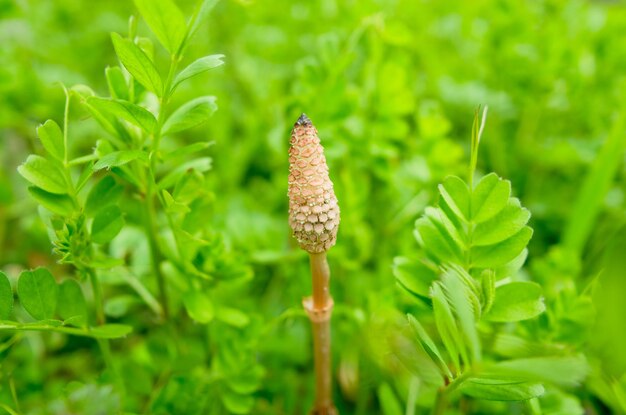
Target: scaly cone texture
[(313, 208)]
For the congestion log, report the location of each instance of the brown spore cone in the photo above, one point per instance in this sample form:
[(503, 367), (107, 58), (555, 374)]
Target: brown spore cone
[(313, 208)]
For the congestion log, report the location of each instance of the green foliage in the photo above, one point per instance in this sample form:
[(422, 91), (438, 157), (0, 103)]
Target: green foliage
[(6, 297), (38, 293), (475, 236), (389, 85)]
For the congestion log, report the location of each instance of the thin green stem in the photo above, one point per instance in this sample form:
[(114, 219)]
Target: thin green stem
[(97, 295), (104, 344), (152, 191)]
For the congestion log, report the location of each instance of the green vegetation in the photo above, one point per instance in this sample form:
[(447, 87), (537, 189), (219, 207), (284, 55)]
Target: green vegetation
[(147, 265)]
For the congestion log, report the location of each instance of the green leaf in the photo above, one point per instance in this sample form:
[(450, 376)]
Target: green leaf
[(197, 67), (106, 192), (138, 64), (413, 276), (128, 111), (189, 187), (489, 197), (567, 371), (202, 12), (51, 137), (72, 303), (456, 194), (502, 253), (435, 242), (233, 317), (516, 301), (117, 131), (199, 306), (460, 297), (593, 190), (38, 293), (107, 224), (191, 114), (502, 226), (82, 91), (43, 174), (235, 403), (414, 358), (119, 158), (6, 297), (110, 331), (446, 326), (501, 389), (201, 165), (429, 346), (116, 81), (59, 204), (166, 22), (388, 401)]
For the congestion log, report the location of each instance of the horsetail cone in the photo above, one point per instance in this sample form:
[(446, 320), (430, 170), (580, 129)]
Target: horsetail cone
[(313, 208)]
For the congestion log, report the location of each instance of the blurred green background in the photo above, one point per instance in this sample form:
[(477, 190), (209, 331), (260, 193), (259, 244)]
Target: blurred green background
[(392, 87)]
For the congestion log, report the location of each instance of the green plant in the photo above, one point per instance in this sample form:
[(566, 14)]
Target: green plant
[(137, 196), (473, 245)]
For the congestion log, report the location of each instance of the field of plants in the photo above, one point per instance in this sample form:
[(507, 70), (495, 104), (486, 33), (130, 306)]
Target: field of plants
[(443, 232)]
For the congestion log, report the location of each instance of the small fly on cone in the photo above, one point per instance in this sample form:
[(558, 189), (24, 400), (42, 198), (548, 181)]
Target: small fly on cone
[(314, 219)]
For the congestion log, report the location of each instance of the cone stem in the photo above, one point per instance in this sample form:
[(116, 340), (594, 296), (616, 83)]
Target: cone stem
[(319, 307)]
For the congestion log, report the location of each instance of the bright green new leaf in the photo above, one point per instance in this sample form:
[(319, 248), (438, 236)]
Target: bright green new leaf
[(437, 244), (43, 174), (125, 110), (59, 204), (51, 138), (107, 224), (489, 197), (502, 253), (191, 114), (110, 331), (119, 158), (138, 64), (72, 303), (516, 301), (106, 192), (118, 88), (197, 67), (166, 22), (203, 9), (6, 296), (413, 276), (237, 404), (456, 194), (199, 306), (501, 389), (232, 316), (429, 346), (502, 226), (463, 301), (446, 326), (38, 293)]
